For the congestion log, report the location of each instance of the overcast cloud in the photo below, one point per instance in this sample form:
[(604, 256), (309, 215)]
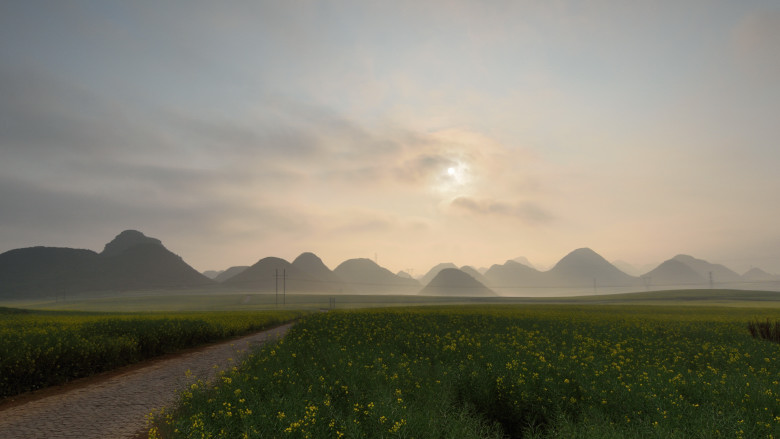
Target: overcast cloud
[(420, 132)]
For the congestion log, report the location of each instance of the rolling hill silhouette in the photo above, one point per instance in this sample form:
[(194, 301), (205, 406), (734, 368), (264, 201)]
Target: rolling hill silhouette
[(523, 260), (265, 275), (513, 275), (131, 261), (306, 274), (230, 272), (127, 240), (455, 282), (758, 275), (404, 275), (673, 272), (134, 261), (318, 277), (365, 276), (584, 266), (720, 273), (687, 271), (428, 277), (473, 272), (45, 271)]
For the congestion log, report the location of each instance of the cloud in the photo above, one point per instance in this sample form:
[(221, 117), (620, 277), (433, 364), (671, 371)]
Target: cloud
[(527, 212), (43, 115), (755, 40), (421, 168)]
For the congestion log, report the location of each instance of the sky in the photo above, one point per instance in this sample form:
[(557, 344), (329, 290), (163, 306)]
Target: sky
[(410, 132)]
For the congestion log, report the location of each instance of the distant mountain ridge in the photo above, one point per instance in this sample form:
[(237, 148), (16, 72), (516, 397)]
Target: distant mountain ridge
[(230, 272), (366, 276), (758, 275), (126, 241), (308, 274), (673, 272), (581, 268), (133, 261), (685, 270), (130, 261), (513, 274), (266, 275), (584, 266), (454, 282), (428, 277), (319, 277), (718, 272)]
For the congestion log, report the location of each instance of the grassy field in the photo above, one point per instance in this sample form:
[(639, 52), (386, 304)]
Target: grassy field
[(42, 348), (229, 301), (208, 300), (497, 371)]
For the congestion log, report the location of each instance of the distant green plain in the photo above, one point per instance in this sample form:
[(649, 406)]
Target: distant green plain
[(209, 300)]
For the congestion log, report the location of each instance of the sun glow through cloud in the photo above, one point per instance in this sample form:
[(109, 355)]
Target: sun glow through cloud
[(454, 181), (483, 131)]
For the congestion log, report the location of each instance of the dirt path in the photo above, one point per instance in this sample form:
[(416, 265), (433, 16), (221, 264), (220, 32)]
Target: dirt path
[(116, 406)]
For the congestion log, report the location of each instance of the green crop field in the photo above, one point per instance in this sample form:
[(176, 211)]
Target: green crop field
[(498, 371), (193, 300), (42, 348), (210, 300)]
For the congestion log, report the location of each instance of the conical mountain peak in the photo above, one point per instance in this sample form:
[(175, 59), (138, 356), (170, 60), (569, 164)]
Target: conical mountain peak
[(707, 270), (126, 240), (426, 279), (308, 260), (673, 272), (584, 265), (580, 258), (365, 275), (455, 282)]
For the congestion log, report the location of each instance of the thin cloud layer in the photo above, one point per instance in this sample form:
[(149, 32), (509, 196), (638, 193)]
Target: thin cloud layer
[(528, 213), (420, 131)]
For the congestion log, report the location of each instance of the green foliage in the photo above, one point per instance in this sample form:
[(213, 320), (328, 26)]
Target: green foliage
[(496, 371), (766, 330), (39, 349)]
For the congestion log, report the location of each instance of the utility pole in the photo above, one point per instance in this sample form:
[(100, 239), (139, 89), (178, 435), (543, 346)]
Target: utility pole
[(284, 287), (710, 280), (276, 287)]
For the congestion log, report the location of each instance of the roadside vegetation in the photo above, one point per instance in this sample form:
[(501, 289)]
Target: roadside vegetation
[(497, 371), (765, 330), (40, 348)]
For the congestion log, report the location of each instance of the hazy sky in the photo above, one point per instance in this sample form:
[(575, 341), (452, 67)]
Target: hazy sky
[(417, 131)]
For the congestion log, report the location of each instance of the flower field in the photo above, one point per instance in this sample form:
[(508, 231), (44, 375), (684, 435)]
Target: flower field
[(492, 372), (39, 349)]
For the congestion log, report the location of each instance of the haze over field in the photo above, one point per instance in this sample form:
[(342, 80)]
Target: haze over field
[(412, 132)]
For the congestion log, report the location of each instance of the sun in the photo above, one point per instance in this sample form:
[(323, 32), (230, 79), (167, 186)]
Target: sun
[(454, 179)]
